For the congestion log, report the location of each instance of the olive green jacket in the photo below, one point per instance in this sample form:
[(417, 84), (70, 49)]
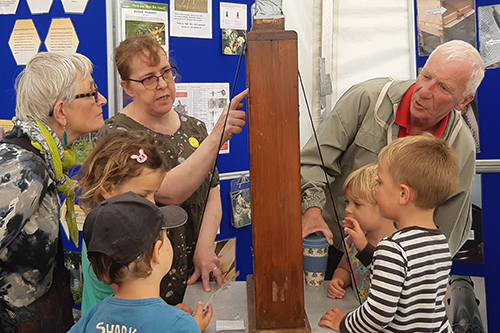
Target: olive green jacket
[(360, 125)]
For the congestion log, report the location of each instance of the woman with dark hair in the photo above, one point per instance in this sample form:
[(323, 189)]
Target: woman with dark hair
[(149, 78)]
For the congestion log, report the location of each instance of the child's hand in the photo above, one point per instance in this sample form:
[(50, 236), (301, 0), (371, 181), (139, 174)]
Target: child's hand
[(203, 319), (352, 228), (332, 319), (336, 288), (185, 308)]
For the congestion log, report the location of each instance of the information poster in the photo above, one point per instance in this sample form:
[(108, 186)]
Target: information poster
[(233, 16), (24, 41), (62, 36), (8, 6), (233, 22), (145, 18), (74, 6), (489, 35), (442, 21), (39, 6), (191, 18), (204, 101)]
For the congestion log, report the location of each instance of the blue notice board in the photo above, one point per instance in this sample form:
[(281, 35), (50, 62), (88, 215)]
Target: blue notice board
[(198, 60), (462, 20)]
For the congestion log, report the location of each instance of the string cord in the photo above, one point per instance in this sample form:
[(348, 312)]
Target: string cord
[(231, 95), (329, 189)]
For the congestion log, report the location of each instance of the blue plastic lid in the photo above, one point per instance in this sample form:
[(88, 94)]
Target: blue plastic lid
[(315, 242)]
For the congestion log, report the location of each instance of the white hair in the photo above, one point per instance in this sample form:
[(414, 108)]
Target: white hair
[(49, 77), (463, 51)]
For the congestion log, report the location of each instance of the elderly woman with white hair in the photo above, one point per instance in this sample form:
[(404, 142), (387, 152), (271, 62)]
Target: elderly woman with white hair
[(57, 102)]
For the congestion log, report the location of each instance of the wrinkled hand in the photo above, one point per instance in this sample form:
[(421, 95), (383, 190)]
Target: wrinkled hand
[(336, 288), (184, 308), (332, 319), (205, 260), (203, 319), (235, 119), (313, 221), (352, 228)]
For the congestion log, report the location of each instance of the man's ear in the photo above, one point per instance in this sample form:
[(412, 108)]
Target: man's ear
[(59, 114), (405, 194), (466, 100), (156, 252), (126, 87)]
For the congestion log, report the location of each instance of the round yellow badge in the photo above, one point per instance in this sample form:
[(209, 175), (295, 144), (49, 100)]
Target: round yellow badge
[(194, 142)]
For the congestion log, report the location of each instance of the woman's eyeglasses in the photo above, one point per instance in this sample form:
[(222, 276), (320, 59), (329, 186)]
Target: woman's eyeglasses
[(95, 93), (151, 82)]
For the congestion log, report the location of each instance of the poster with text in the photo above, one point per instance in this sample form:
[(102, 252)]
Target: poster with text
[(204, 101), (191, 18), (145, 18)]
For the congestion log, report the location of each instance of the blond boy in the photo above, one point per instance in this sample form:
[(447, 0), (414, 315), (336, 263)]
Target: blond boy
[(363, 224), (409, 269)]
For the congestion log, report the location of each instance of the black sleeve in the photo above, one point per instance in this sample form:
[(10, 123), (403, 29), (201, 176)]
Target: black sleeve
[(366, 255)]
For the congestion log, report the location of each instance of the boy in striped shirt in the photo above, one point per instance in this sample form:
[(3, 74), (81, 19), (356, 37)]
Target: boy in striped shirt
[(410, 268)]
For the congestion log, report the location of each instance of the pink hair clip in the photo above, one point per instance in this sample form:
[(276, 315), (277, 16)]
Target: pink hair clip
[(141, 158)]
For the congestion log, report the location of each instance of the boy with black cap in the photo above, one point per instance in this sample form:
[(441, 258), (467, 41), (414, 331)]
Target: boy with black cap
[(129, 249)]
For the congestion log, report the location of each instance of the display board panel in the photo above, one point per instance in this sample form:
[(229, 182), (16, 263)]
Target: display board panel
[(467, 20), (199, 60)]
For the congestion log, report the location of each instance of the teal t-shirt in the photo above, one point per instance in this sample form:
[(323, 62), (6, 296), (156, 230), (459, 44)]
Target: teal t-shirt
[(94, 290), (135, 315)]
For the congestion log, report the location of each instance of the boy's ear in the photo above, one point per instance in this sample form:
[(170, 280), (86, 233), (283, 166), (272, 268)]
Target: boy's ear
[(156, 252), (405, 194)]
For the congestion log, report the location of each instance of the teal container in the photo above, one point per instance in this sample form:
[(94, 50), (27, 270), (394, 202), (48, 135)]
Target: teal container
[(315, 254)]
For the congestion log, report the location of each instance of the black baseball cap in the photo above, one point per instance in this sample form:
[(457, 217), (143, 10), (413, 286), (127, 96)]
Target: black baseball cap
[(126, 225)]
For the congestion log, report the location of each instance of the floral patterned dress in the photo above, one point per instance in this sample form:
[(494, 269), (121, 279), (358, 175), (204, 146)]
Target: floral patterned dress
[(360, 272)]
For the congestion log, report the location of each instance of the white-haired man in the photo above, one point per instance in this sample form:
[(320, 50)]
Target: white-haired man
[(372, 114)]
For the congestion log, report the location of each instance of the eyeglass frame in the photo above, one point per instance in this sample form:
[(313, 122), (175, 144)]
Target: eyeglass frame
[(157, 78), (95, 94)]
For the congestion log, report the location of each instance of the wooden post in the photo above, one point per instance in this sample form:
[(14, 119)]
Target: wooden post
[(276, 290)]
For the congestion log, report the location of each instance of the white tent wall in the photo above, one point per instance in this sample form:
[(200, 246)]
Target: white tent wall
[(359, 39)]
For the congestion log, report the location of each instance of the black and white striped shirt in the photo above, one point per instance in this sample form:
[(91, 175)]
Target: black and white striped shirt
[(409, 277)]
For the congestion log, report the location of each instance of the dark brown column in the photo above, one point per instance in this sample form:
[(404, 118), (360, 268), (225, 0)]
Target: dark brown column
[(276, 290)]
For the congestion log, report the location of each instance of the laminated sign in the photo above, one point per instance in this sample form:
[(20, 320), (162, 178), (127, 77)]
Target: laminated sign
[(240, 201)]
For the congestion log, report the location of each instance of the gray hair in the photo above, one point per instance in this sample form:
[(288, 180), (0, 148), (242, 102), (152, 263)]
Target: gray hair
[(463, 51), (49, 77)]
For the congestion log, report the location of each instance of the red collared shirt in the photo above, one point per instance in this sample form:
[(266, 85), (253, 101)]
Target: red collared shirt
[(403, 117)]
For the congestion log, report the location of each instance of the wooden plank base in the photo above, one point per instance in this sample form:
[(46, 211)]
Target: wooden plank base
[(252, 321)]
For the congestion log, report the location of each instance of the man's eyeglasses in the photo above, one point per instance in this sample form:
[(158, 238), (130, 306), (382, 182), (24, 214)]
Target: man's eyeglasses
[(151, 82), (95, 93)]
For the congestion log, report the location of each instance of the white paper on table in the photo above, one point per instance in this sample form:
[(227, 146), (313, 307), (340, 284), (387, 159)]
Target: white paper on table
[(229, 325)]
